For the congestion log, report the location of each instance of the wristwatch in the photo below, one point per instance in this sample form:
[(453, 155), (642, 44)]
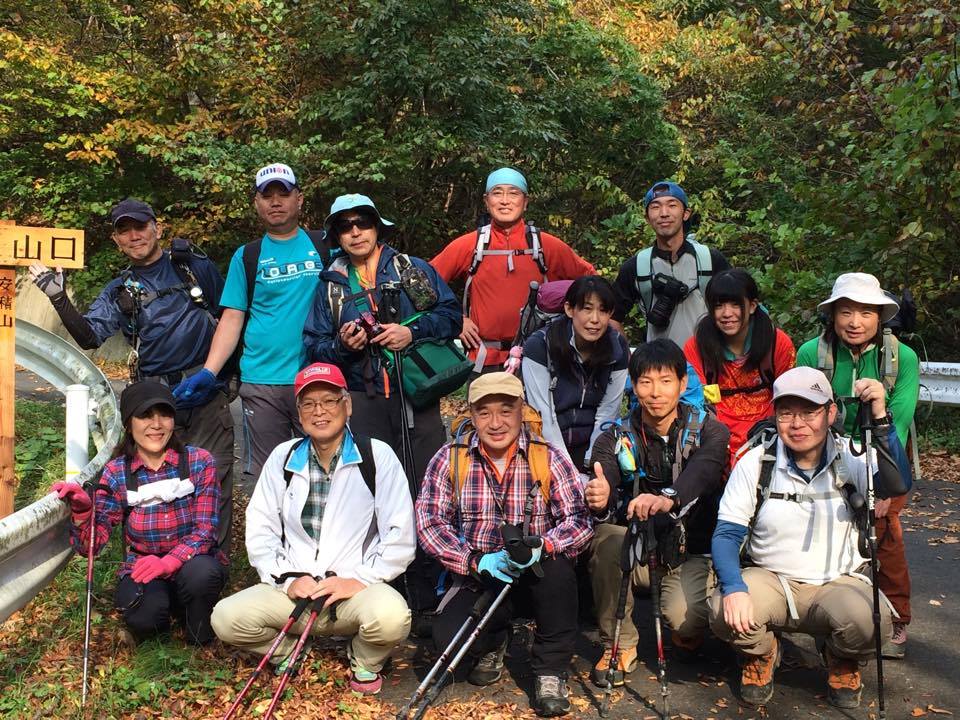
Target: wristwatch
[(671, 494)]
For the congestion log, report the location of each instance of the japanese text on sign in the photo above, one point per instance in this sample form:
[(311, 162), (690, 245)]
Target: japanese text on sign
[(22, 245)]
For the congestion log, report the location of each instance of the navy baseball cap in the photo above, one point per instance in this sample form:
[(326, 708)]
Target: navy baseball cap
[(131, 208), (664, 188)]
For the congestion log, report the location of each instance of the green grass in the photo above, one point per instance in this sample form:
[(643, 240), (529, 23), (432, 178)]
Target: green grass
[(40, 452), (939, 429)]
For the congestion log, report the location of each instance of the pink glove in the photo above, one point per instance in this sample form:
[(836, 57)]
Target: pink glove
[(150, 567), (76, 497)]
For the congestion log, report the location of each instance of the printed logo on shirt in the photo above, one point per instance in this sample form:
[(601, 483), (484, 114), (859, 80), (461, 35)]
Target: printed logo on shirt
[(289, 270)]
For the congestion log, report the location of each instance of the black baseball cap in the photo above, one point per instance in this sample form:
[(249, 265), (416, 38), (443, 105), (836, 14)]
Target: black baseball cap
[(139, 397), (131, 208)]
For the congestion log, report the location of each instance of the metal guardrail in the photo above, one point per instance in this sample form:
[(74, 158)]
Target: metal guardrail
[(34, 542), (940, 383)]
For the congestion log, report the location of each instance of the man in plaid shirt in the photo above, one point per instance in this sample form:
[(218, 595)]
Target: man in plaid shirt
[(461, 528)]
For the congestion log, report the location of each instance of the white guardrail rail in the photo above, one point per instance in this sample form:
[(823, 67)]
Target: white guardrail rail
[(34, 542), (940, 383)]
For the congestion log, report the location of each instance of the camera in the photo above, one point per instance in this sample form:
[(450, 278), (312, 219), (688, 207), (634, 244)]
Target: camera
[(369, 324), (668, 291)]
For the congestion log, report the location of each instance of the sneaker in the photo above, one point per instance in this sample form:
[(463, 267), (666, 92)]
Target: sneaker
[(365, 682), (627, 664), (843, 682), (489, 667), (895, 647), (551, 696), (756, 677), (686, 650)]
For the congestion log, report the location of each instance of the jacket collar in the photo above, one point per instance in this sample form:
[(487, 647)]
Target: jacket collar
[(300, 457), (171, 458), (338, 269)]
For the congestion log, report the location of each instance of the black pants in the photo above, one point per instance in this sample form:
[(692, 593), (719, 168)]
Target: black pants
[(381, 418), (550, 600), (189, 595)]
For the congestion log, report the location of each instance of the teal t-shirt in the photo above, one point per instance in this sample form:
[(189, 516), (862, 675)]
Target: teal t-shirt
[(287, 276)]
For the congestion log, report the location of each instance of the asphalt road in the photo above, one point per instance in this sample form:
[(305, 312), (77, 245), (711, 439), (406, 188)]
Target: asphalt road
[(919, 686)]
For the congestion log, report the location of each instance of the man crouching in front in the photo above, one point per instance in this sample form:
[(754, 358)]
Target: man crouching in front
[(331, 516)]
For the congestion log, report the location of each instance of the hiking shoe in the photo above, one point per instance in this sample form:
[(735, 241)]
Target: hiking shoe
[(365, 682), (756, 677), (489, 667), (843, 682), (551, 696), (627, 664), (686, 650), (895, 647)]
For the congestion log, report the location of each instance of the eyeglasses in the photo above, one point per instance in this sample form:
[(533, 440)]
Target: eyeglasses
[(808, 416), (362, 222), (308, 407), (511, 194)]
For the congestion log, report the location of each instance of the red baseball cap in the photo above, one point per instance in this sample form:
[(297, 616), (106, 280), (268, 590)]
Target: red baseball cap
[(318, 373)]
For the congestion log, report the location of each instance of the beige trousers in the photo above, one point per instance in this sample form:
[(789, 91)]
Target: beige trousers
[(375, 619), (684, 591), (840, 610)]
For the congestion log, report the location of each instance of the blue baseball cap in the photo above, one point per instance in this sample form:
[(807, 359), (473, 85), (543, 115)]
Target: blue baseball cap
[(664, 188), (506, 176), (354, 201)]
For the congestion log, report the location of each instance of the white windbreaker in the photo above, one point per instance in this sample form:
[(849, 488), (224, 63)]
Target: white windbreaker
[(369, 539)]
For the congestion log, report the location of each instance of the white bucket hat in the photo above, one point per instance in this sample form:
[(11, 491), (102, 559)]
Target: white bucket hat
[(862, 288)]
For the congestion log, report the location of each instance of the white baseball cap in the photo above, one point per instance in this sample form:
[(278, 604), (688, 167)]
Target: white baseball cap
[(862, 288), (277, 172), (803, 382)]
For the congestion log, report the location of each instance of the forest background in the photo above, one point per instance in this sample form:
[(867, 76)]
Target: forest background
[(813, 137)]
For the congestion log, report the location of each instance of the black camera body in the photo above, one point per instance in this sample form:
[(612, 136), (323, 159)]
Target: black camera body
[(667, 291)]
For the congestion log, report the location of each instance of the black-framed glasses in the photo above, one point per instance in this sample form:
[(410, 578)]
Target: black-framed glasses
[(807, 416), (308, 407), (361, 222)]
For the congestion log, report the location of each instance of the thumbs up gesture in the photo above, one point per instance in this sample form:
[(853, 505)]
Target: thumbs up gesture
[(597, 491)]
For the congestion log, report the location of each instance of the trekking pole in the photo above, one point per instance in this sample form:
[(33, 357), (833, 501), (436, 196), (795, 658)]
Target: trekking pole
[(655, 577), (294, 616), (866, 436), (89, 611), (406, 449), (479, 609), (293, 662), (626, 568)]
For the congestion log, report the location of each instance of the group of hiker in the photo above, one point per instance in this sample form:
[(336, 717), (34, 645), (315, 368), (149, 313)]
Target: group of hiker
[(737, 487)]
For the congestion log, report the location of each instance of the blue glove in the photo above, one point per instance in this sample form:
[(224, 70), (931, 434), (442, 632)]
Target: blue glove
[(535, 553), (497, 566), (195, 390)]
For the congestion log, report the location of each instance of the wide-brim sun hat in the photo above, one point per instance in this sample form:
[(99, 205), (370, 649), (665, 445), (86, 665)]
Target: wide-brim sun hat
[(862, 288), (354, 201)]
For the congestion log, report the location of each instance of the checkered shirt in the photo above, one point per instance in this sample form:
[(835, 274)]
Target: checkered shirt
[(564, 522), (311, 517)]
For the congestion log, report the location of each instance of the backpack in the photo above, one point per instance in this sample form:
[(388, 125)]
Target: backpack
[(413, 281), (888, 359), (534, 249), (644, 281), (368, 470), (766, 375), (538, 452)]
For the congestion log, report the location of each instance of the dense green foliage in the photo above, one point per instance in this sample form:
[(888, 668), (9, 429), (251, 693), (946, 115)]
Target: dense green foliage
[(814, 137)]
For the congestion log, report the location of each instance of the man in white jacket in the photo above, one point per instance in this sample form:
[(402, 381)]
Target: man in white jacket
[(336, 503)]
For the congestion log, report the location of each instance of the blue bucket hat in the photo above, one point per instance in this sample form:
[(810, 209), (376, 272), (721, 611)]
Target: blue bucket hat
[(354, 201), (506, 176), (664, 188)]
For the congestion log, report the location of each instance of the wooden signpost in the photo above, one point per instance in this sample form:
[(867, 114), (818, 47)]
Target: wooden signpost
[(22, 246)]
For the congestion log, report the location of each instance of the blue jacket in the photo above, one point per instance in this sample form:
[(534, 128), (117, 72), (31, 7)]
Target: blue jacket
[(322, 339)]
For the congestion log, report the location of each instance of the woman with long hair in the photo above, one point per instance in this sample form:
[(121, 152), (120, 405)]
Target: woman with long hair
[(737, 349), (575, 368), (165, 496)]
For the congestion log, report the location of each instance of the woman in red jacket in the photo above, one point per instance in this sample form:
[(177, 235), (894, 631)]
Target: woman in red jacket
[(737, 348)]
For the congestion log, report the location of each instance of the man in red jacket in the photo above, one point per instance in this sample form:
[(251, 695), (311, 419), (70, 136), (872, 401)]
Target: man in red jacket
[(499, 260)]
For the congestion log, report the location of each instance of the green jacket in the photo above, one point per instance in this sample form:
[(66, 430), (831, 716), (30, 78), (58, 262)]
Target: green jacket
[(901, 403)]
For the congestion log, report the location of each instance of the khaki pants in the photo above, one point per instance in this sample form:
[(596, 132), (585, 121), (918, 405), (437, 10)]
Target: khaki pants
[(684, 592), (840, 610), (376, 619)]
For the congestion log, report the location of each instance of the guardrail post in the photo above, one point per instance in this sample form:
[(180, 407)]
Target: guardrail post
[(77, 429)]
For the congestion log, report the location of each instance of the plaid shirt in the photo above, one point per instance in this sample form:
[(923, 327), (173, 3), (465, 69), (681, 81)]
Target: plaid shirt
[(564, 524), (183, 528), (311, 517)]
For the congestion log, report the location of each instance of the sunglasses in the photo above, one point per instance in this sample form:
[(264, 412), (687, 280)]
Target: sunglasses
[(360, 223)]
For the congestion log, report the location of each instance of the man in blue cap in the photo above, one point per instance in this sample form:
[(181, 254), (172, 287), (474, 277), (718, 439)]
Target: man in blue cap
[(498, 261), (270, 285), (373, 302), (165, 303), (668, 279)]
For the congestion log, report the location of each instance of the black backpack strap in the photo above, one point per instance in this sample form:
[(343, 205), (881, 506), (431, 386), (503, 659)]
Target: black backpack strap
[(287, 477), (368, 466), (320, 244), (535, 244), (768, 461), (183, 466)]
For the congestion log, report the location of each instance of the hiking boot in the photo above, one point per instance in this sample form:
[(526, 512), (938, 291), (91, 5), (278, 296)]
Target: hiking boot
[(627, 664), (686, 650), (489, 667), (756, 677), (551, 696), (365, 682), (843, 682), (895, 647)]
